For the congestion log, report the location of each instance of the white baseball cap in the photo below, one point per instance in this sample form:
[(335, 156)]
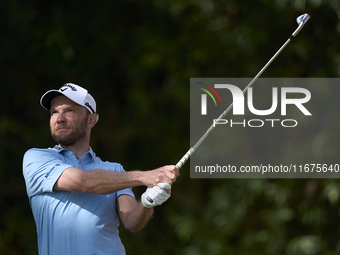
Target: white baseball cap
[(72, 91)]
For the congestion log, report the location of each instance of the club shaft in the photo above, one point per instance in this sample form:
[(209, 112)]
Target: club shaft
[(187, 155)]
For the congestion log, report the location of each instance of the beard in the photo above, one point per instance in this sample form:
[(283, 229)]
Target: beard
[(76, 134)]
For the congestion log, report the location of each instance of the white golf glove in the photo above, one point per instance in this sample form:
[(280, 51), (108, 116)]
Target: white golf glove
[(156, 195)]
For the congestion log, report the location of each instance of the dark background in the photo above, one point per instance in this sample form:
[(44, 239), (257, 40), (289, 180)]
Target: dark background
[(136, 58)]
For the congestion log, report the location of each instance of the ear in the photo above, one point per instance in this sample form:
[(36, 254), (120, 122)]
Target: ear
[(92, 120)]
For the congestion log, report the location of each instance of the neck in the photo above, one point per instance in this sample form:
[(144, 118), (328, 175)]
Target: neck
[(79, 147)]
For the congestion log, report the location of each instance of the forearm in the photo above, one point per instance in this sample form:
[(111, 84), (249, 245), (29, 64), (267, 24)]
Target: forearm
[(98, 182), (138, 217), (107, 182), (102, 182)]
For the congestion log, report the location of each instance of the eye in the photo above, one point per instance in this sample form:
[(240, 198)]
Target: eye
[(53, 112)]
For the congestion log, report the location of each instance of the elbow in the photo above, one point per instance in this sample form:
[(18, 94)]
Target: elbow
[(88, 187), (85, 184), (134, 229), (134, 226), (84, 188)]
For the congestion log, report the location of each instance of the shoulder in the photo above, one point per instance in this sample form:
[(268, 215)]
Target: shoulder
[(40, 152)]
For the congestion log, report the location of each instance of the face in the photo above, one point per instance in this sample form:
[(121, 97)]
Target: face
[(68, 121)]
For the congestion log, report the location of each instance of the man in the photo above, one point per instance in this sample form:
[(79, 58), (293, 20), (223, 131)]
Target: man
[(76, 198)]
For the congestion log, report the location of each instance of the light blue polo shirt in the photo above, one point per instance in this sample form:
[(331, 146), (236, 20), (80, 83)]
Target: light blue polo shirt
[(71, 223)]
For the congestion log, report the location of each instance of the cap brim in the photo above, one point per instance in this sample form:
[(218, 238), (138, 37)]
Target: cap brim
[(48, 97)]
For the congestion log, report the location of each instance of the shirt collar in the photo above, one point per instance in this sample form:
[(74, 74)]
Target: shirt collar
[(61, 149)]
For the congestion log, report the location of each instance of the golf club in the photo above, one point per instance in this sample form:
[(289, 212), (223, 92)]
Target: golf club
[(301, 20)]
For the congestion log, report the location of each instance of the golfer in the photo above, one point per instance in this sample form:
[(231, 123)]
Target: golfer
[(76, 198)]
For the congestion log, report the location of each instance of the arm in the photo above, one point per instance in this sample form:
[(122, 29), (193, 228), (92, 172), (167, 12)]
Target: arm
[(136, 215), (106, 182), (133, 215)]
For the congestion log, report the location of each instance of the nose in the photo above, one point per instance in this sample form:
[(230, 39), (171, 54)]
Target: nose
[(61, 118)]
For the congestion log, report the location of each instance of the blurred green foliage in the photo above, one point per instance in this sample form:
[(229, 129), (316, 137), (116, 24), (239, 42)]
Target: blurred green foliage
[(136, 59)]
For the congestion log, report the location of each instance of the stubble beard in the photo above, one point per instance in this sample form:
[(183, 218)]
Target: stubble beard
[(78, 132)]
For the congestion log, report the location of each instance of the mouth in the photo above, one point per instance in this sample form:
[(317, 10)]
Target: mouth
[(62, 129)]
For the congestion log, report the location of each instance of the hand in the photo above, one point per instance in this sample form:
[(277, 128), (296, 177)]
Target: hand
[(165, 174), (156, 195)]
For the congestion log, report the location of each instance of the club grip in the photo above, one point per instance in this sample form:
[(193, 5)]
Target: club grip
[(185, 158)]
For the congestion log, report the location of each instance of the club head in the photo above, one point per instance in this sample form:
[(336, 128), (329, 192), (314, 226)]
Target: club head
[(302, 19)]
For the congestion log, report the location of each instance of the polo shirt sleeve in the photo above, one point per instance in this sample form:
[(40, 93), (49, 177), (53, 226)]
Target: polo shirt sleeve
[(127, 191), (41, 170), (119, 168)]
